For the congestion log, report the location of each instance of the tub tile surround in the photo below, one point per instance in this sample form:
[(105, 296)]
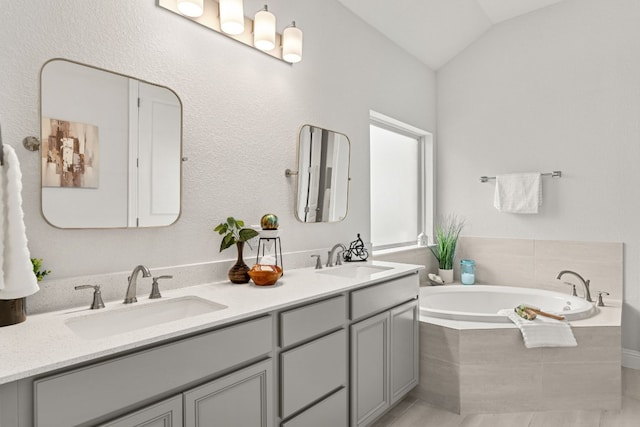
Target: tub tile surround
[(491, 371), (468, 368), (536, 263)]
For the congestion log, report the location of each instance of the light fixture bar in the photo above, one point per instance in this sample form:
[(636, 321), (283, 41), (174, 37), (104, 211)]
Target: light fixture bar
[(210, 19)]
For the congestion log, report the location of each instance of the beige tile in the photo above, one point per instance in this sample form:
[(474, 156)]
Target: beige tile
[(595, 344), (424, 415), (438, 342), (631, 383), (581, 385), (628, 416), (495, 346), (497, 420), (566, 419), (439, 384), (402, 406), (500, 388), (601, 263), (500, 261), (385, 421)]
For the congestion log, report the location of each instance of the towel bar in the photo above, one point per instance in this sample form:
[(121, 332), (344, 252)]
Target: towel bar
[(554, 174)]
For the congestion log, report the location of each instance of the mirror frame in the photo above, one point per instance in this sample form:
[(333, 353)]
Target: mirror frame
[(299, 177), (182, 159)]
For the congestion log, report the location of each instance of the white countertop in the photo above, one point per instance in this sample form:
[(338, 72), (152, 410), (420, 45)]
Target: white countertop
[(44, 343)]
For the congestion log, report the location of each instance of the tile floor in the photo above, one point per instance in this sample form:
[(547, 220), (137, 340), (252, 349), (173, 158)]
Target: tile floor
[(413, 412)]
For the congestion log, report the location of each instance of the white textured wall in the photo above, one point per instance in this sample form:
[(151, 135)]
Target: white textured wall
[(242, 114), (557, 89)]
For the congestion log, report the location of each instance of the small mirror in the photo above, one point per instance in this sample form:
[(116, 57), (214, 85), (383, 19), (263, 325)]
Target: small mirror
[(323, 175), (111, 149)]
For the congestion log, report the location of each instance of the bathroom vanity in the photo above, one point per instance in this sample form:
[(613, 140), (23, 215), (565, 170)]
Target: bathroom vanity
[(331, 347)]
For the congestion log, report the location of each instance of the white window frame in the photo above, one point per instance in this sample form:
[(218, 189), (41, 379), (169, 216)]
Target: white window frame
[(426, 170)]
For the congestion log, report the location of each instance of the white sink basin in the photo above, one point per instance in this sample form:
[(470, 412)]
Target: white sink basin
[(353, 271), (134, 317)]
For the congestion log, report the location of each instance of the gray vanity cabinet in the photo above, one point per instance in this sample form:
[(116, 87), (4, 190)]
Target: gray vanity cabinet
[(369, 369), (404, 349), (314, 364), (167, 413), (244, 398), (384, 347)]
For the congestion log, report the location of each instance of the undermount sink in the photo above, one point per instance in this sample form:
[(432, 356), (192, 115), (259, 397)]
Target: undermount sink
[(353, 271), (134, 317)]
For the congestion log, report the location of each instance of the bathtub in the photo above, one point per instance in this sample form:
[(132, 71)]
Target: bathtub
[(481, 303)]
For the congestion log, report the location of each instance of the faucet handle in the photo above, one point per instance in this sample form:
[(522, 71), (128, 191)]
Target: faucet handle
[(155, 289), (339, 258), (573, 288), (600, 301), (318, 262), (97, 295)]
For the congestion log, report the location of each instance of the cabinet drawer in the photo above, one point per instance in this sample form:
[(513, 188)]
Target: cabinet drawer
[(376, 298), (312, 320), (312, 371), (332, 411), (84, 394)]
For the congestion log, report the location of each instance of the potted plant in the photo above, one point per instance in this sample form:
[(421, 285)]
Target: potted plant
[(234, 232), (447, 231)]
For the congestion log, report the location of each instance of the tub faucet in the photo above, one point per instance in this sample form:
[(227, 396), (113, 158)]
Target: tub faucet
[(585, 283), (131, 289), (332, 252)]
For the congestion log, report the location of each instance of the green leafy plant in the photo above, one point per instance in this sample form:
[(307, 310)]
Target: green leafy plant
[(37, 265), (234, 231), (447, 231)]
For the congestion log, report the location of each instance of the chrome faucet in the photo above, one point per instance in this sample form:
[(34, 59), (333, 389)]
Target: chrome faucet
[(131, 289), (332, 252), (585, 283)]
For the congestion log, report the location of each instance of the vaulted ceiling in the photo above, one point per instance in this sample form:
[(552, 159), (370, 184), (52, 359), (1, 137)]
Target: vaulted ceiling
[(434, 31)]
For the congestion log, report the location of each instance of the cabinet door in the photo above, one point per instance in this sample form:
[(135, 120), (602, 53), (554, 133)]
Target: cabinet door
[(404, 349), (243, 398), (369, 369), (167, 413)]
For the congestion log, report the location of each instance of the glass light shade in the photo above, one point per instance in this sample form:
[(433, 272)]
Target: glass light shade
[(191, 8), (232, 16), (264, 30), (292, 44)]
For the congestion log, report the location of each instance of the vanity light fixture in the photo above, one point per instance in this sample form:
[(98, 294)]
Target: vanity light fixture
[(292, 43), (232, 16), (227, 17), (264, 30), (191, 8)]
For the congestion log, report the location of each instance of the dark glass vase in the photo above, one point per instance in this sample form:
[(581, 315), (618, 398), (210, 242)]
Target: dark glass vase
[(239, 273)]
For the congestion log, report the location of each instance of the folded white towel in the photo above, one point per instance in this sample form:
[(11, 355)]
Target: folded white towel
[(518, 193), (542, 332), (16, 271)]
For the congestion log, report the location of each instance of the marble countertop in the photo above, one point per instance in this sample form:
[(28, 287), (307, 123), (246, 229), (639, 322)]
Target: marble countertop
[(44, 342)]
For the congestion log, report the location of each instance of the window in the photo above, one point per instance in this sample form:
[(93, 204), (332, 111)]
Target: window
[(401, 182)]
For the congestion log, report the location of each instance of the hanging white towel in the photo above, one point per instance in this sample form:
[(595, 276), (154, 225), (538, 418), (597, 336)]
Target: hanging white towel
[(542, 332), (16, 271), (518, 193)]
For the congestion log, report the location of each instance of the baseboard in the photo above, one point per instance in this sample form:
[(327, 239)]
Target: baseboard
[(630, 358)]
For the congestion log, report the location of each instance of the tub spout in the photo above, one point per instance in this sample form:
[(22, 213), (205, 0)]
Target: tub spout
[(585, 283)]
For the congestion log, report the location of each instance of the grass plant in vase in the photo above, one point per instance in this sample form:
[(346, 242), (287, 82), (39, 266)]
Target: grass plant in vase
[(447, 231)]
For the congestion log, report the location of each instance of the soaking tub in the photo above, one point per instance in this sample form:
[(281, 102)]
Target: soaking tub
[(481, 303), (473, 360)]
